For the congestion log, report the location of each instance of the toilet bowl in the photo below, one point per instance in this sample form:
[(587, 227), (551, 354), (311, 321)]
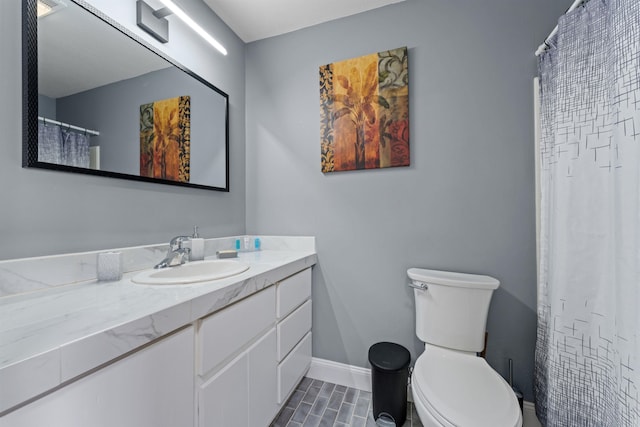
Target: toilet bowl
[(452, 388), (451, 385)]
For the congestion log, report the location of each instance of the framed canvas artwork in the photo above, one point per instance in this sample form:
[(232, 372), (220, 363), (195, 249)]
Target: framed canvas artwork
[(364, 112)]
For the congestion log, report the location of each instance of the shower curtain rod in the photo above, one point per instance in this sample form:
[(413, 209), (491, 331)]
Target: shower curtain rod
[(67, 125), (544, 46)]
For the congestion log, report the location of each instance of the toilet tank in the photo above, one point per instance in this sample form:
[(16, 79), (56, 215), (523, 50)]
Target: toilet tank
[(452, 311)]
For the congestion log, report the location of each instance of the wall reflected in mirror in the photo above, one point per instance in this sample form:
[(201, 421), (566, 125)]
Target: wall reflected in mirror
[(109, 105)]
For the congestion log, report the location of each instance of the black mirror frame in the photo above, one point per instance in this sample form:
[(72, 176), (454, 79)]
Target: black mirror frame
[(30, 99)]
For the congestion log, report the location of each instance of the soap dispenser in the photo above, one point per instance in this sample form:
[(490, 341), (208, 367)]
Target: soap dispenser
[(197, 246)]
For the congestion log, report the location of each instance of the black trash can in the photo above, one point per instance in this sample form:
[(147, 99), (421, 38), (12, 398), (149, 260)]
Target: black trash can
[(389, 379)]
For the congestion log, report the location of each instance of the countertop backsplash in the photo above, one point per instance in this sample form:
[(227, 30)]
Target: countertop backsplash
[(18, 276)]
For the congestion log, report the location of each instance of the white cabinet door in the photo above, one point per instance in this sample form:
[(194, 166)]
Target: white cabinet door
[(150, 388), (243, 393), (223, 399), (263, 386)]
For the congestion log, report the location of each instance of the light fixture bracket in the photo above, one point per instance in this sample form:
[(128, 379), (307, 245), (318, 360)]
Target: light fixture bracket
[(161, 13), (153, 22)]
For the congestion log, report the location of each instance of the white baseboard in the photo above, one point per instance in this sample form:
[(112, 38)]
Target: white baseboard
[(529, 415), (360, 378), (340, 373)]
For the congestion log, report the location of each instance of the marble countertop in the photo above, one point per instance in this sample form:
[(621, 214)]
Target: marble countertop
[(52, 336)]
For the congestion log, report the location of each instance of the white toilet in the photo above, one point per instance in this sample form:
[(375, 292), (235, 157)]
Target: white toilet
[(451, 386)]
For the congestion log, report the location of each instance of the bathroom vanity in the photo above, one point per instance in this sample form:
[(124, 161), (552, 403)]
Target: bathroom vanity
[(227, 352)]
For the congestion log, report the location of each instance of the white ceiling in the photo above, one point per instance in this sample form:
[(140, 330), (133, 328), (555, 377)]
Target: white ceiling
[(258, 19)]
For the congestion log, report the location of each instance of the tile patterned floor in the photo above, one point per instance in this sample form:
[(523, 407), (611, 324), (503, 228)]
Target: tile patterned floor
[(319, 404)]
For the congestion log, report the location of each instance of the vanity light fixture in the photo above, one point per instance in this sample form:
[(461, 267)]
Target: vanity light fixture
[(155, 23), (47, 7)]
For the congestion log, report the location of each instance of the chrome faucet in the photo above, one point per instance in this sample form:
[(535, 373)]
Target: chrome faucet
[(178, 254)]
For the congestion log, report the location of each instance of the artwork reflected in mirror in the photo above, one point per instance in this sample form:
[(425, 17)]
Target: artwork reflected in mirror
[(165, 132), (107, 104)]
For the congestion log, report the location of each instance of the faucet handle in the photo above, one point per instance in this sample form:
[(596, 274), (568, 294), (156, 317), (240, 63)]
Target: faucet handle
[(176, 242)]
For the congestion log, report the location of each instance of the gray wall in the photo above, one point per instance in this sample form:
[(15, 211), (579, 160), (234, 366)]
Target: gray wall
[(466, 203), (44, 212), (47, 107), (114, 110)]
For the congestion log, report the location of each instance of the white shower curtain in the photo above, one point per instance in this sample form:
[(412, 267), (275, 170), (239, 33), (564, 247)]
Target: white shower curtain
[(587, 353)]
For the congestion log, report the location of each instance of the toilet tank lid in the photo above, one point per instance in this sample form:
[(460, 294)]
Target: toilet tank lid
[(450, 278)]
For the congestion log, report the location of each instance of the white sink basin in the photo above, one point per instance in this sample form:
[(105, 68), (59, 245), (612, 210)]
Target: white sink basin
[(192, 272)]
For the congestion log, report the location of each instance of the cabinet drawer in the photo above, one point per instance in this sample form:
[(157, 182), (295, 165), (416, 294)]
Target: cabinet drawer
[(293, 367), (292, 292), (293, 328), (226, 332)]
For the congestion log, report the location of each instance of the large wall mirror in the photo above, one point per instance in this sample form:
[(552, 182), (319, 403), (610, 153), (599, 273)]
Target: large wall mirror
[(98, 100)]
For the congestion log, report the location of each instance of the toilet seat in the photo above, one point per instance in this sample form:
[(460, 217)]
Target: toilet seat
[(460, 389)]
